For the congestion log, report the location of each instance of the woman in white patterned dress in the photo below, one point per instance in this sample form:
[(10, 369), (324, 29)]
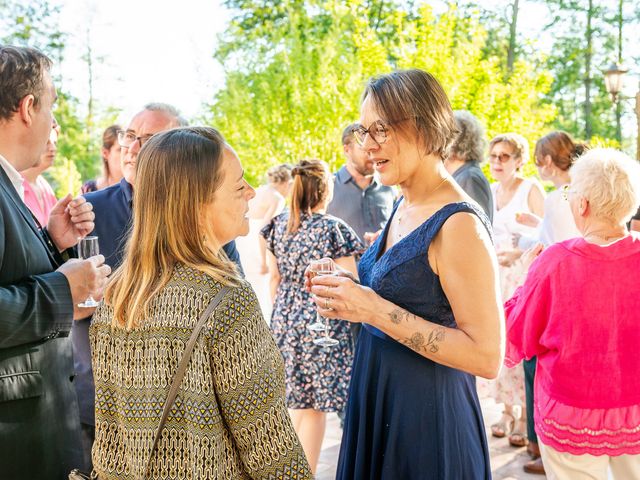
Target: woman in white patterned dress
[(513, 195)]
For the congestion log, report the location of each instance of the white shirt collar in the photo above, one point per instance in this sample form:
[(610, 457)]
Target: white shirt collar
[(14, 176)]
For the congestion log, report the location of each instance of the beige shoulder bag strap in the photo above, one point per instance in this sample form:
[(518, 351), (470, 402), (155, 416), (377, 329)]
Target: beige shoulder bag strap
[(182, 368)]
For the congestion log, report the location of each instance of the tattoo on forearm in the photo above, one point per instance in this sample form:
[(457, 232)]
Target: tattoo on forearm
[(398, 314), (417, 341)]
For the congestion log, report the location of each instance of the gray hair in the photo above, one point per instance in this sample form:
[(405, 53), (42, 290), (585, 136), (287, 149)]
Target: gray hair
[(470, 143), (169, 110), (610, 180)]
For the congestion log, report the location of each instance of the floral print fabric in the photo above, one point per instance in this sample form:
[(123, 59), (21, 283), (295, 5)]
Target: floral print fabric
[(316, 377)]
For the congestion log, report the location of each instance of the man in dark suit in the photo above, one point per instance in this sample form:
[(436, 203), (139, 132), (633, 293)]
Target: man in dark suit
[(39, 291), (112, 207)]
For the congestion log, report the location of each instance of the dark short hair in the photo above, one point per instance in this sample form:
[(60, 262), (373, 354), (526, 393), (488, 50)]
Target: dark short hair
[(21, 74), (415, 97)]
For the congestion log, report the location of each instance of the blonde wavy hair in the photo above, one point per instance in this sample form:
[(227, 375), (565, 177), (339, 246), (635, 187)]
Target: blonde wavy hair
[(178, 173)]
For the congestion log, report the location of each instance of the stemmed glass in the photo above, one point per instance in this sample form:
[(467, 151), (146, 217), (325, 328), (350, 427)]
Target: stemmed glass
[(323, 267), (88, 247), (319, 267)]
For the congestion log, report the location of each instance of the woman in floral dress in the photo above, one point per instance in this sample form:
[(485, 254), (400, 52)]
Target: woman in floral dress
[(316, 378)]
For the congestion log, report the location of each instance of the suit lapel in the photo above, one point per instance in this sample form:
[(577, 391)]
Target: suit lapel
[(21, 207)]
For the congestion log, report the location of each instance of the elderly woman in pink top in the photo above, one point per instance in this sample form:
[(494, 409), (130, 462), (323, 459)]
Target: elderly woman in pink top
[(578, 311)]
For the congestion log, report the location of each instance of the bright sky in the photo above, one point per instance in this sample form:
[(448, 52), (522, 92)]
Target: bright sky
[(144, 51), (161, 50)]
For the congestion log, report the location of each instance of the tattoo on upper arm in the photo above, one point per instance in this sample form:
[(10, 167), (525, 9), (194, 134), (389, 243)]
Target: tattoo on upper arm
[(398, 314), (417, 341)]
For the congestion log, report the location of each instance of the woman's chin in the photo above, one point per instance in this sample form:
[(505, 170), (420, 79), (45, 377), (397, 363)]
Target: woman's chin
[(244, 230), (387, 179)]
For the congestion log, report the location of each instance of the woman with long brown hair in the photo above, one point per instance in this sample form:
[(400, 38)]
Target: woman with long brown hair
[(110, 155), (229, 419), (317, 378)]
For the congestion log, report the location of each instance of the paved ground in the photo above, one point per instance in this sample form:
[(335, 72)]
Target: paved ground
[(506, 461)]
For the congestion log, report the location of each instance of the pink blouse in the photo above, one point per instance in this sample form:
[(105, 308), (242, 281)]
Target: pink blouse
[(579, 312), (41, 212)]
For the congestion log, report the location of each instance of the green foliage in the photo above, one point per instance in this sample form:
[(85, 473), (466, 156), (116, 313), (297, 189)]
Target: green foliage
[(568, 61), (32, 23), (64, 177), (35, 24), (293, 100), (75, 142)]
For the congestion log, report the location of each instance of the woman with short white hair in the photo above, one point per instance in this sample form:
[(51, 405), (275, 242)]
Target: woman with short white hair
[(578, 311)]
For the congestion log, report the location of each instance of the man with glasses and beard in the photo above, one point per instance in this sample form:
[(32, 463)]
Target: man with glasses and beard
[(112, 207), (358, 198)]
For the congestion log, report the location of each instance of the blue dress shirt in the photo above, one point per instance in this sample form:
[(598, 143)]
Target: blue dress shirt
[(364, 210)]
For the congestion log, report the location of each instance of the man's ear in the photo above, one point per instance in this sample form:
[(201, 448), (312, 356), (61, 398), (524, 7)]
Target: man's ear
[(26, 109)]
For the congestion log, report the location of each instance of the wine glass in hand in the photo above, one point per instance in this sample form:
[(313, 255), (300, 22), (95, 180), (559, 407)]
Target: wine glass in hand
[(88, 247), (319, 267), (325, 341)]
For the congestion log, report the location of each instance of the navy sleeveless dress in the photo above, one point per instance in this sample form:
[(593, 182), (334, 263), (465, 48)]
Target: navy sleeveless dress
[(408, 417)]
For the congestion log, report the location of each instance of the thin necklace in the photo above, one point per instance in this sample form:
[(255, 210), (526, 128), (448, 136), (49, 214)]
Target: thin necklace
[(606, 238), (400, 215)]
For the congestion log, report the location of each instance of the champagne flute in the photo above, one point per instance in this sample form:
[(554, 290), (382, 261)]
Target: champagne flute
[(88, 247), (319, 267), (325, 341)]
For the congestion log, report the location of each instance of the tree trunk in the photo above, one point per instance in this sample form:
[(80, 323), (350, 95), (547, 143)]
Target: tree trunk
[(511, 53), (588, 54), (618, 105), (90, 78)]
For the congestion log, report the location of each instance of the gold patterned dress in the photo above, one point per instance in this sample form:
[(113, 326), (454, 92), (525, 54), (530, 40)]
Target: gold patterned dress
[(229, 420)]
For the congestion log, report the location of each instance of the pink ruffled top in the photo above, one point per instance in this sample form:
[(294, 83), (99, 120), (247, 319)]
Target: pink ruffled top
[(40, 211), (579, 313)]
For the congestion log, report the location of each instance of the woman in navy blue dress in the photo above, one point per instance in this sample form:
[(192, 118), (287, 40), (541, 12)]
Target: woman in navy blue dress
[(429, 301)]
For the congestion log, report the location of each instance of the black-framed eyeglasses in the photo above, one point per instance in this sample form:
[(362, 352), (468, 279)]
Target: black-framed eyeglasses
[(377, 131), (127, 139), (502, 158)]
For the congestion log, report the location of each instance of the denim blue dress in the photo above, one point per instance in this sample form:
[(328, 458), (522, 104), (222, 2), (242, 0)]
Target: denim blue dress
[(408, 417)]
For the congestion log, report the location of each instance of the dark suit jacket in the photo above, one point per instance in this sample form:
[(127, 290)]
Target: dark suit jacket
[(39, 426), (475, 184)]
